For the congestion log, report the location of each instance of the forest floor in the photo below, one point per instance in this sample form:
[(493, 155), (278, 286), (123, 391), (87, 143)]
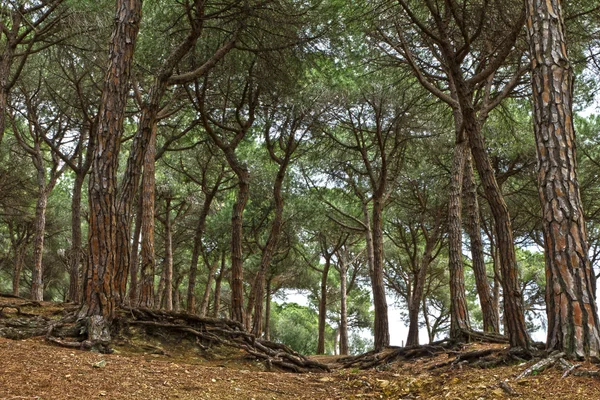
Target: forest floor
[(34, 369)]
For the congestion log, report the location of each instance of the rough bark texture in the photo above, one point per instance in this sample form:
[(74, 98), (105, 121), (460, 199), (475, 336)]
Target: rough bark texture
[(135, 256), (381, 326), (571, 307), (148, 255), (207, 288), (217, 295), (208, 199), (472, 224), (37, 284), (99, 299), (76, 240), (459, 316), (323, 306), (237, 242), (168, 264), (343, 269)]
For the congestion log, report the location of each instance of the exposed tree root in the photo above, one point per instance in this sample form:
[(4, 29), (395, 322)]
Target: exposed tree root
[(377, 359), (72, 331), (210, 331)]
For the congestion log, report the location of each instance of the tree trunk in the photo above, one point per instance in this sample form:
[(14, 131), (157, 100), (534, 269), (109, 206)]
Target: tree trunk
[(209, 280), (237, 242), (323, 306), (76, 250), (267, 253), (99, 299), (3, 102), (381, 327), (490, 323), (571, 307), (148, 256), (37, 284), (191, 295), (134, 264), (168, 297), (268, 311), (18, 268), (217, 295), (513, 299), (459, 315), (343, 308)]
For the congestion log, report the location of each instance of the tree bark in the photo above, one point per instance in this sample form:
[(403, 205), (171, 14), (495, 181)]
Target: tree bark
[(343, 269), (571, 307), (191, 292), (217, 294), (148, 255), (268, 311), (134, 264), (168, 297), (381, 326), (237, 242), (472, 224), (207, 289), (323, 306), (76, 240), (99, 301), (37, 284), (459, 315), (18, 268)]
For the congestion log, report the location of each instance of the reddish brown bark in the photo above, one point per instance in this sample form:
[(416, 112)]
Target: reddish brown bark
[(472, 224), (99, 301), (148, 256), (459, 315), (570, 299)]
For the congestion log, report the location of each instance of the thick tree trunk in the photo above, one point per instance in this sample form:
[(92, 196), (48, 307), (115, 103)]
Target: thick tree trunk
[(323, 306), (381, 326), (459, 315), (571, 307), (148, 255), (99, 301), (135, 258), (76, 249), (37, 284), (343, 268), (490, 322)]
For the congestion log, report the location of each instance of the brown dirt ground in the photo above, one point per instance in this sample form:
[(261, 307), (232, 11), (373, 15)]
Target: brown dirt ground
[(34, 369)]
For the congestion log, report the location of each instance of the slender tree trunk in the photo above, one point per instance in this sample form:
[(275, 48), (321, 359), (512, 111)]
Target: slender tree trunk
[(237, 242), (459, 316), (217, 295), (18, 268), (343, 308), (3, 102), (191, 292), (323, 306), (37, 284), (76, 250), (513, 299), (267, 334), (207, 289), (490, 323), (99, 301), (134, 265), (418, 288), (168, 259), (381, 326), (148, 255), (571, 307)]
